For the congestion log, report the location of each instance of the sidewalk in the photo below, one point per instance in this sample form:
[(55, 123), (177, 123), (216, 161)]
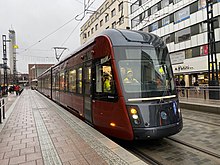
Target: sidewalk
[(40, 132)]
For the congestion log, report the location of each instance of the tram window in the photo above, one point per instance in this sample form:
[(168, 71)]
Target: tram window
[(72, 80), (57, 81), (105, 83), (66, 81), (79, 80), (53, 82), (62, 81)]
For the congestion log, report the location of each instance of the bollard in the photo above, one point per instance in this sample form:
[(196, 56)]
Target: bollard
[(3, 108), (0, 111)]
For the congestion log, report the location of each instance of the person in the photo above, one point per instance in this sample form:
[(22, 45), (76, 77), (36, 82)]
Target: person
[(182, 84), (107, 83), (17, 89), (123, 73), (130, 78), (196, 85)]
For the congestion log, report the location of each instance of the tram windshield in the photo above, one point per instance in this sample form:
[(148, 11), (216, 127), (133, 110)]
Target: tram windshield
[(145, 71)]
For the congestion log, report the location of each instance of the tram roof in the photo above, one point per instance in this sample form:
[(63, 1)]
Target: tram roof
[(122, 37)]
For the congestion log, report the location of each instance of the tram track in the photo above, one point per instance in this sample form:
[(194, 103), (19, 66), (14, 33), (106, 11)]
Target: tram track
[(143, 156), (204, 122), (194, 147)]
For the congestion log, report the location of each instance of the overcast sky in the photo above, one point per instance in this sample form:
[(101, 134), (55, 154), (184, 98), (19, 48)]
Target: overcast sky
[(34, 20)]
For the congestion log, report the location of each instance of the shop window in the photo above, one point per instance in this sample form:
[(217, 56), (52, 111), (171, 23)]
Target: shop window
[(182, 35), (105, 84), (72, 80), (164, 3), (188, 53), (182, 15), (166, 21), (79, 81)]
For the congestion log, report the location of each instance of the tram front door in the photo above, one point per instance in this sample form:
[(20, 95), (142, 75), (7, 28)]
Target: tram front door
[(87, 91)]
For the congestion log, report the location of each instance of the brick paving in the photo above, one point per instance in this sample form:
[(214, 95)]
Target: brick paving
[(39, 132)]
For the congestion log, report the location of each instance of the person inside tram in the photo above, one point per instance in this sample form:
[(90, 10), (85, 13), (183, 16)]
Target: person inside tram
[(106, 83), (123, 73), (130, 78)]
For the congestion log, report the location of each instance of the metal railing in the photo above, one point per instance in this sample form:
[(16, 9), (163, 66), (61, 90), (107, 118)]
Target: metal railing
[(202, 92), (2, 110)]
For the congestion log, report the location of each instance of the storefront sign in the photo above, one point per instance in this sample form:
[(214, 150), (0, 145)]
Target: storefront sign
[(177, 57)]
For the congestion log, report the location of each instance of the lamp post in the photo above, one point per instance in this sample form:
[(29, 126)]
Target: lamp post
[(5, 81)]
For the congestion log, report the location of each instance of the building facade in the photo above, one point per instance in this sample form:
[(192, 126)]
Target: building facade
[(34, 70), (181, 23), (111, 14)]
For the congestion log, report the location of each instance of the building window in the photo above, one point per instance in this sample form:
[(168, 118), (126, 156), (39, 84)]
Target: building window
[(120, 6), (202, 4), (96, 27), (113, 12), (107, 27), (166, 21), (188, 53), (92, 30), (101, 22), (121, 20), (88, 33), (106, 5), (135, 21), (113, 25), (176, 1), (106, 17), (154, 26), (167, 39), (145, 29), (204, 50), (182, 35), (101, 10), (154, 9), (203, 27), (134, 6), (182, 15), (143, 1), (164, 3)]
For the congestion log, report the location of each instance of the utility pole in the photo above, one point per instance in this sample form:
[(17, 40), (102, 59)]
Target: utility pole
[(212, 58), (5, 81)]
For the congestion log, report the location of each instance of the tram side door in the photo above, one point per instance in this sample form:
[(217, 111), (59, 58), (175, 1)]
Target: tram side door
[(87, 99)]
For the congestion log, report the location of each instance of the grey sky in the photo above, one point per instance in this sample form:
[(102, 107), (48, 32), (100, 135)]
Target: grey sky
[(34, 20)]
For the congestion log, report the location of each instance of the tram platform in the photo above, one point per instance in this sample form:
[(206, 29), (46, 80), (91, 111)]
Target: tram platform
[(200, 104), (37, 131)]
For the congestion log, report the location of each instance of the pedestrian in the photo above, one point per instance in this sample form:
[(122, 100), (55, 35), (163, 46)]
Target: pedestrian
[(17, 89), (182, 84), (196, 85)]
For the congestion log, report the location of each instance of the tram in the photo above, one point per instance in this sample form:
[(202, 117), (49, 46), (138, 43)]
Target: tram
[(140, 101)]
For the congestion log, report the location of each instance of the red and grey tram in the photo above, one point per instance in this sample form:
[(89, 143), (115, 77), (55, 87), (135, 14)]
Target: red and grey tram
[(121, 82)]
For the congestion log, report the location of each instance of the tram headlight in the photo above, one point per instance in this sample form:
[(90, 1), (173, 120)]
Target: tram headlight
[(134, 115)]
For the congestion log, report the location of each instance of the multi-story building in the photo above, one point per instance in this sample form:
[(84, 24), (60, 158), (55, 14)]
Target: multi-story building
[(181, 23), (111, 14)]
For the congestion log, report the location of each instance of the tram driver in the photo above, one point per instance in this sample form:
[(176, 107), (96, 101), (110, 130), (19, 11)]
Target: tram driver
[(130, 78)]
